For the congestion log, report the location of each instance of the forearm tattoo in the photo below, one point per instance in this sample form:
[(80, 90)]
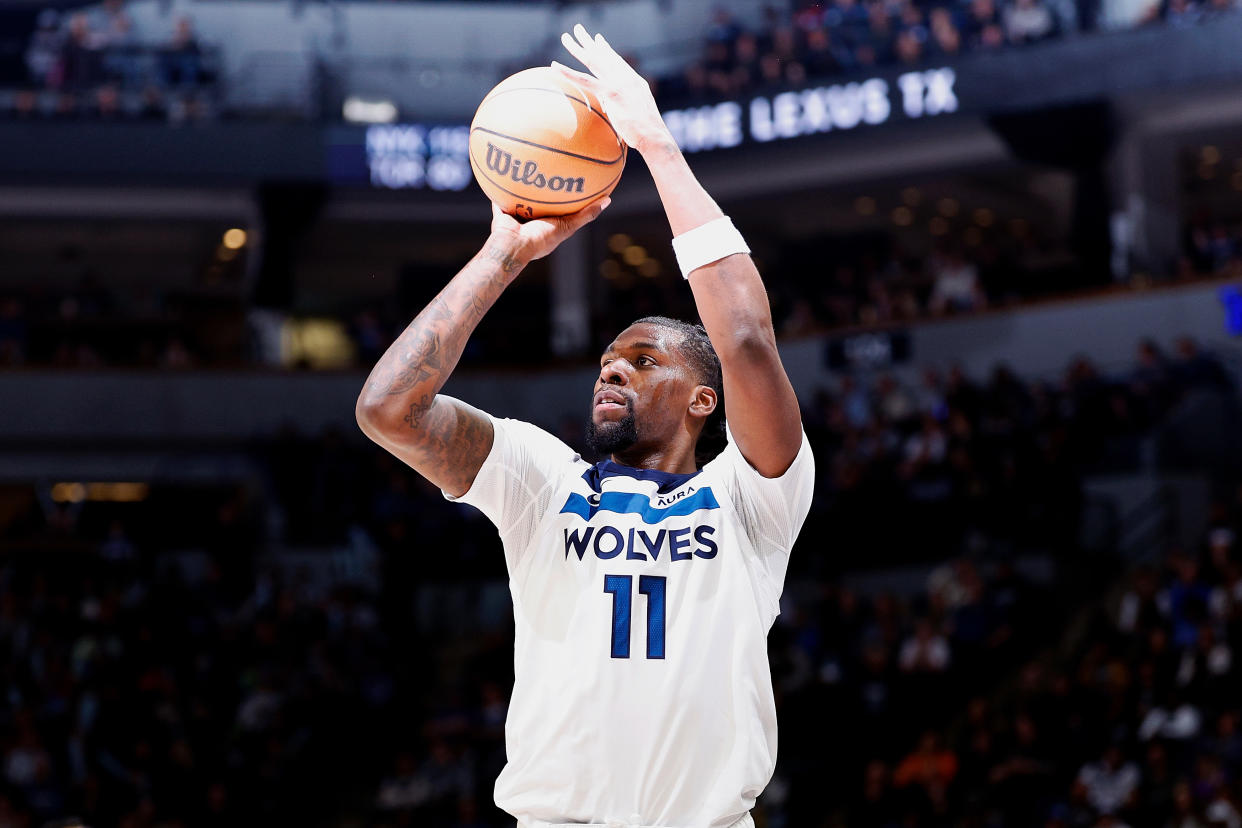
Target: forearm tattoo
[(508, 264), (428, 350), (416, 366)]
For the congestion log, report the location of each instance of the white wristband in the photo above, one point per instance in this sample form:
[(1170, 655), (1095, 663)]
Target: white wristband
[(707, 243)]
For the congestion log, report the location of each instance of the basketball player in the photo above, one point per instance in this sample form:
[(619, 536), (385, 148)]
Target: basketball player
[(643, 586)]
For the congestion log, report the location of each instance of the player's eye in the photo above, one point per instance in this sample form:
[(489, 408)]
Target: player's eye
[(645, 360)]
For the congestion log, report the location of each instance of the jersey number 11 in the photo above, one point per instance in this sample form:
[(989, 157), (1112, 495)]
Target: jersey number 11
[(621, 587)]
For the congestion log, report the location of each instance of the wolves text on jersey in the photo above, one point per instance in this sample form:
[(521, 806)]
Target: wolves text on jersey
[(608, 542)]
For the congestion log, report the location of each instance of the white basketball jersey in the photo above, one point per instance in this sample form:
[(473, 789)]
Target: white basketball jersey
[(642, 602)]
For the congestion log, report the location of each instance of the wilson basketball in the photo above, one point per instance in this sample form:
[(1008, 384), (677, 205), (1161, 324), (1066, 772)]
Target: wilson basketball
[(540, 145)]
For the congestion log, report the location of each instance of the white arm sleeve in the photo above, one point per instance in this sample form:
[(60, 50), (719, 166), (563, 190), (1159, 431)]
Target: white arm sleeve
[(772, 510), (517, 480)]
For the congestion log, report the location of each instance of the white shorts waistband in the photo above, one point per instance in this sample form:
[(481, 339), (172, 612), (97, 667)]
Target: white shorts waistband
[(744, 822)]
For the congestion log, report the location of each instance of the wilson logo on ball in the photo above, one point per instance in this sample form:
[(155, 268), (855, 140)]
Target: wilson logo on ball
[(504, 164), (541, 145)]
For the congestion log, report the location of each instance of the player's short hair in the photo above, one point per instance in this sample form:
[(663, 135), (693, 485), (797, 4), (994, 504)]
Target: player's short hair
[(698, 350)]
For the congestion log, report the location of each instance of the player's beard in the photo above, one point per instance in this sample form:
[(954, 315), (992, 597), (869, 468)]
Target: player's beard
[(612, 436)]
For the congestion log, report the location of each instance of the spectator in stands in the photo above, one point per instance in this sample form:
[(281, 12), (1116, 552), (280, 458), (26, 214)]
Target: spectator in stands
[(846, 21), (1143, 607), (800, 321), (718, 63), (911, 19), (79, 56), (1218, 7), (931, 766), (1193, 368), (1151, 380), (821, 58), (984, 28), (112, 25), (107, 100), (176, 355), (875, 805), (876, 45), (1182, 13), (956, 284), (746, 56), (946, 39), (908, 47), (723, 28), (43, 55), (181, 61), (1027, 21), (925, 651), (1110, 783), (118, 44)]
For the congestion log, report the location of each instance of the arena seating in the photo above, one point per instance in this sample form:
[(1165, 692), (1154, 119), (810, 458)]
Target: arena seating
[(156, 676)]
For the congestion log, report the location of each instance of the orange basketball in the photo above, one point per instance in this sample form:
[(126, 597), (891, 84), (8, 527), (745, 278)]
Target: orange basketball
[(540, 145)]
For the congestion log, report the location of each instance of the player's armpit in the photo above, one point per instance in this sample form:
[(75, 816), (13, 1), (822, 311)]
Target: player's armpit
[(445, 440)]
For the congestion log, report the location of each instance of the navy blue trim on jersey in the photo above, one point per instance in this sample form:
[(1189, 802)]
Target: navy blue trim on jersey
[(633, 503), (666, 481)]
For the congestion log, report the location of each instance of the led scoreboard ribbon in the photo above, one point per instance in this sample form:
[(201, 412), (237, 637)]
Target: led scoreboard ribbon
[(413, 156), (818, 109), (419, 156)]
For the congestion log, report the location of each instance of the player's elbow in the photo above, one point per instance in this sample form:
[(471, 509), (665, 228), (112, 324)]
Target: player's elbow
[(750, 341), (370, 414), (365, 415)]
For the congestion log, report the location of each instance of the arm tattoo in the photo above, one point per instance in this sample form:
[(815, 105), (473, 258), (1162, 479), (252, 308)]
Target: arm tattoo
[(445, 442), (454, 441), (430, 347), (417, 411), (508, 264)]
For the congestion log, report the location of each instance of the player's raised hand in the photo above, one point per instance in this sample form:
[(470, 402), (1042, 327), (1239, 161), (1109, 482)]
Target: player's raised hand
[(537, 238), (625, 94)]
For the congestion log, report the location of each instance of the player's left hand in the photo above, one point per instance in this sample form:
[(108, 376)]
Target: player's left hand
[(625, 94)]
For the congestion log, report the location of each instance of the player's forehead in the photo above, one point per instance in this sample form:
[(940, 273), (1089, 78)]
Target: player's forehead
[(645, 335)]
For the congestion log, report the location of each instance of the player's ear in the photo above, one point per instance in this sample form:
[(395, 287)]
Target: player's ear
[(704, 401)]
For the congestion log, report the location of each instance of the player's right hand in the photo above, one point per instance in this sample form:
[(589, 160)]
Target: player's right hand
[(535, 238)]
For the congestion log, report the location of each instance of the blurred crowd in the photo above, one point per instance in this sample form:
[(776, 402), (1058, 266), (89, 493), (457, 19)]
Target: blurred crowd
[(878, 285), (996, 463), (866, 280), (332, 639), (1133, 721), (822, 38), (94, 63), (90, 325), (1211, 246)]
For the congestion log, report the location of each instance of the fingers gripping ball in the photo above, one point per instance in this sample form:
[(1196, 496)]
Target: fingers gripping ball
[(540, 145)]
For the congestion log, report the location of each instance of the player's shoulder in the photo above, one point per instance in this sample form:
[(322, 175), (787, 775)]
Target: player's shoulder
[(731, 464), (523, 431), (535, 445)]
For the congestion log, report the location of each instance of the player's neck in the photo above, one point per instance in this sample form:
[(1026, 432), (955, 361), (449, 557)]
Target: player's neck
[(670, 459)]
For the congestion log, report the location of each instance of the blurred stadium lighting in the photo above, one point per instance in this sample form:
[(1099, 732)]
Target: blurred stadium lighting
[(360, 111), (234, 238), (114, 492)]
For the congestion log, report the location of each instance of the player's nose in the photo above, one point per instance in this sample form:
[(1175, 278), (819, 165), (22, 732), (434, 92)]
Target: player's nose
[(616, 372)]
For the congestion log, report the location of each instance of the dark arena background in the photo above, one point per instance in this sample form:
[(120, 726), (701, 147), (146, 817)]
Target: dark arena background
[(1003, 245)]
